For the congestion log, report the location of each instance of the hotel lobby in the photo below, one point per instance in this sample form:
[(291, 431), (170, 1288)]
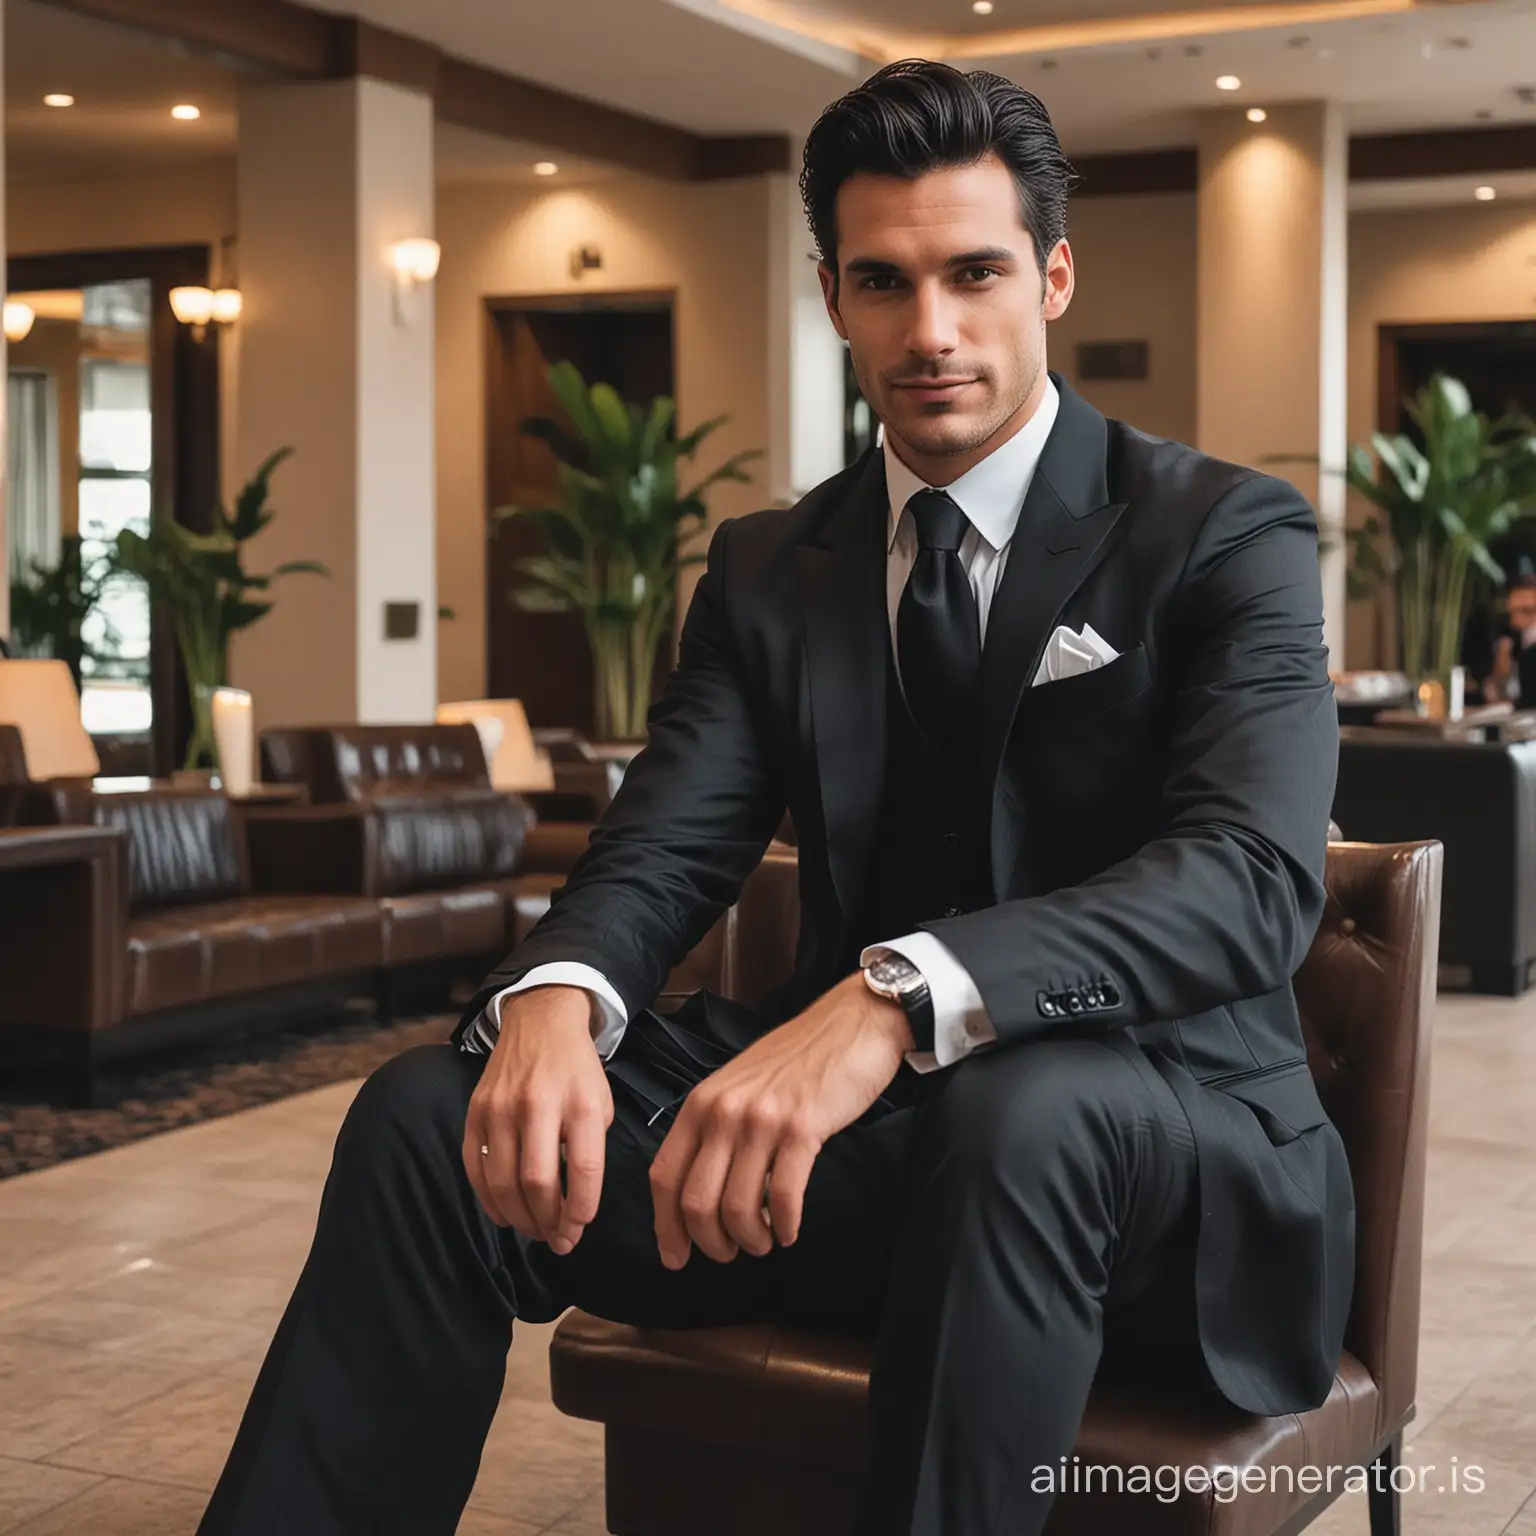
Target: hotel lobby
[(381, 377)]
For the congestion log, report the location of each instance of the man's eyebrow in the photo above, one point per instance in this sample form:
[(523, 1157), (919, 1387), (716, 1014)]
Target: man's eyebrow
[(987, 253)]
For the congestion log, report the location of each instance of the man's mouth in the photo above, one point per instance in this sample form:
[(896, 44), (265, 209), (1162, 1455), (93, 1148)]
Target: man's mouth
[(934, 389)]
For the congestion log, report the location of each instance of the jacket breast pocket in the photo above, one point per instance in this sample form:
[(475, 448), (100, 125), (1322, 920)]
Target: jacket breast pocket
[(1090, 693)]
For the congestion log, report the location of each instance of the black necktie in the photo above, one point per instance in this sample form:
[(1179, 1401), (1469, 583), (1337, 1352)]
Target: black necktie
[(938, 627)]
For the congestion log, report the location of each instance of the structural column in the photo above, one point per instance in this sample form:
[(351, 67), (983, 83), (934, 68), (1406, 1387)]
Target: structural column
[(1272, 308), (805, 355), (337, 362)]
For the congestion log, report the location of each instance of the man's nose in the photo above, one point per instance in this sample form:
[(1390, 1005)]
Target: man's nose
[(934, 331)]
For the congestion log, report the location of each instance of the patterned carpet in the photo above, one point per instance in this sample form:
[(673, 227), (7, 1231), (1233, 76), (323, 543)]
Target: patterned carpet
[(138, 1099)]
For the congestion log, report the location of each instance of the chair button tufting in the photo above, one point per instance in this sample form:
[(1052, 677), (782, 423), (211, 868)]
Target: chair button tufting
[(1347, 927)]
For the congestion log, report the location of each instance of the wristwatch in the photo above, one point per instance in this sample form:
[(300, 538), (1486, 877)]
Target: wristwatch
[(892, 975)]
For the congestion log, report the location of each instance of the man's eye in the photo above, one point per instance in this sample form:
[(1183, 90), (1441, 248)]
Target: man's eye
[(876, 281), (980, 274)]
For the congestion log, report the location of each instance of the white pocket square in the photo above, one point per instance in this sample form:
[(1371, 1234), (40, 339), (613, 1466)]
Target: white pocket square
[(1068, 654)]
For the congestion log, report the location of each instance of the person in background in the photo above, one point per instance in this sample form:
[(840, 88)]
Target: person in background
[(1513, 674)]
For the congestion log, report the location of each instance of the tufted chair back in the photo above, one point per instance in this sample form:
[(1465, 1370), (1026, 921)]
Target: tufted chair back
[(1366, 994)]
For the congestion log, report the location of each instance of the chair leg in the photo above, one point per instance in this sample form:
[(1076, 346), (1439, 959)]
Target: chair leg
[(1382, 1498)]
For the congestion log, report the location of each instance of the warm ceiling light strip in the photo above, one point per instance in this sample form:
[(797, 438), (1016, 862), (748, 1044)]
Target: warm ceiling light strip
[(1061, 36)]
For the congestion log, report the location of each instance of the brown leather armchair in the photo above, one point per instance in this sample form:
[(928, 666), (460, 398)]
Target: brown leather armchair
[(758, 1430)]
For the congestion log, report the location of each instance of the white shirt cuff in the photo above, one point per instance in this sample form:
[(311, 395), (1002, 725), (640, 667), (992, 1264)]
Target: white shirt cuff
[(960, 1020), (609, 1019)]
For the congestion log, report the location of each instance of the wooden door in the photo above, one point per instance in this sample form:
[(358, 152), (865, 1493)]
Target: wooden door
[(542, 658)]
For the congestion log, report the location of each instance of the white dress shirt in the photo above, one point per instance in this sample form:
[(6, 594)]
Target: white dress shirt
[(991, 494)]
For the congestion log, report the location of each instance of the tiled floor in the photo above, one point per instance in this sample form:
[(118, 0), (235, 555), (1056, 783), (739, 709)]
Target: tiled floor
[(138, 1289)]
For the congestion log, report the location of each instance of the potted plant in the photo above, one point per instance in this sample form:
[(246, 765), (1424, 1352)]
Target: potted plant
[(50, 606), (201, 581), (1440, 503), (612, 541)]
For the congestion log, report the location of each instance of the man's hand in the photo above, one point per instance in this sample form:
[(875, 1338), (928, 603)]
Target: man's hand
[(543, 1086), (772, 1108)]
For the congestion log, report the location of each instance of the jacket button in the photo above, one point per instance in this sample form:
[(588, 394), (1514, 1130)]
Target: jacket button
[(951, 911), (1347, 927), (1046, 1004), (1074, 1002)]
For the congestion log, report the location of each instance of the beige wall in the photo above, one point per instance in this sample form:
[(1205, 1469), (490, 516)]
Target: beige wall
[(1135, 265), (709, 242)]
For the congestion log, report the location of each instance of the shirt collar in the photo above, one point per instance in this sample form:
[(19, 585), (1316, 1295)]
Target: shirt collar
[(991, 493)]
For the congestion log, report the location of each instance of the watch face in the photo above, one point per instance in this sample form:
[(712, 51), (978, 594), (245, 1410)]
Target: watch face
[(894, 971)]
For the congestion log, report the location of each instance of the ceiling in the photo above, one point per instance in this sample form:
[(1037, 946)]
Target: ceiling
[(755, 66), (124, 87), (710, 67)]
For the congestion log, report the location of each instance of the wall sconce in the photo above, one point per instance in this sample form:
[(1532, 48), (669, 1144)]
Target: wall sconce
[(18, 320), (200, 307), (415, 264), (584, 259)]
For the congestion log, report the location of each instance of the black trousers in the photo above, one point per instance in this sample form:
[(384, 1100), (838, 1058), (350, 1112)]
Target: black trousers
[(1007, 1229)]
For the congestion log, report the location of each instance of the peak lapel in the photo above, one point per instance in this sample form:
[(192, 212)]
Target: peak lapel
[(842, 585), (1067, 517)]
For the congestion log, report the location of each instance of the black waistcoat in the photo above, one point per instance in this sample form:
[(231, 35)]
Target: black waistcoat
[(929, 857)]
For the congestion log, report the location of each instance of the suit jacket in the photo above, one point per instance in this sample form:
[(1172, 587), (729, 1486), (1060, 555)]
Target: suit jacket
[(1157, 826)]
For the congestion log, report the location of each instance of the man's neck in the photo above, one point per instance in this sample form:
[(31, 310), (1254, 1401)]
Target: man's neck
[(945, 469)]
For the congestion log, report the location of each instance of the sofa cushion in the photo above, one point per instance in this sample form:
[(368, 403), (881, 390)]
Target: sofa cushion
[(425, 925), (447, 837), (189, 954)]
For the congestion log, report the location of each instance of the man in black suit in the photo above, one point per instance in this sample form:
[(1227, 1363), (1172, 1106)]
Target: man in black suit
[(1047, 701)]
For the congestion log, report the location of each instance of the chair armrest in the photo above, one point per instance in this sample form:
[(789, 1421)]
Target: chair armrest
[(552, 847), (312, 849), (64, 891)]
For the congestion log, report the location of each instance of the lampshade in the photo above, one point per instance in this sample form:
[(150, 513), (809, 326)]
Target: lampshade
[(192, 306), (516, 764), (39, 698), (18, 320)]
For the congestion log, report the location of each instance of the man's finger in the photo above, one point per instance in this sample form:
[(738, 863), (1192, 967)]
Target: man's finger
[(538, 1169), (786, 1188), (474, 1166), (702, 1192), (741, 1202), (500, 1165), (669, 1170), (586, 1139)]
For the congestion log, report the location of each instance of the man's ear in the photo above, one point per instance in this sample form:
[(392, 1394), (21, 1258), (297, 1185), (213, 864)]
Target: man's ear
[(829, 294), (1060, 282)]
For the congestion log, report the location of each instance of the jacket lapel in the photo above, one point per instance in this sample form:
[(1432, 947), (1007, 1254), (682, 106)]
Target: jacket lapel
[(842, 584), (1067, 517)]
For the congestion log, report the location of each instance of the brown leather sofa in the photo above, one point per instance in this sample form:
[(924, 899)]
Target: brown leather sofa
[(758, 1430), (407, 813), (164, 938)]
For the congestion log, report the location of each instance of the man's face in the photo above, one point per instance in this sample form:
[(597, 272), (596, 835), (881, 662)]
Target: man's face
[(1522, 608), (941, 302)]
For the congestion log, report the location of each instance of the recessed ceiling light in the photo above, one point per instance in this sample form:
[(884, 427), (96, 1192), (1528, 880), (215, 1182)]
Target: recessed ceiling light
[(1228, 83), (186, 113), (1257, 114), (1047, 63), (1485, 194), (982, 7), (545, 168), (1325, 53), (58, 99), (1483, 115)]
